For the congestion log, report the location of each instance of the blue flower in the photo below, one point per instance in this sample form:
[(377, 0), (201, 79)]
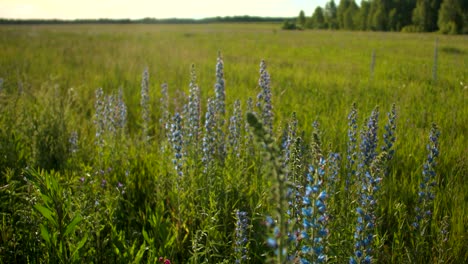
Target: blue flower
[(307, 212), (271, 242), (144, 103), (426, 191), (241, 240), (177, 142), (314, 212), (264, 98)]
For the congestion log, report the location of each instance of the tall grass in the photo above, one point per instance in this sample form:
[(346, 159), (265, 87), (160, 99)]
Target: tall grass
[(150, 174)]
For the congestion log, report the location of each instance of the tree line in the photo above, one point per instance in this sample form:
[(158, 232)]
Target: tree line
[(446, 16), (227, 19)]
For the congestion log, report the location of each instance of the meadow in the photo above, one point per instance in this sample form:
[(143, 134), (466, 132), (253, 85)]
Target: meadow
[(232, 143)]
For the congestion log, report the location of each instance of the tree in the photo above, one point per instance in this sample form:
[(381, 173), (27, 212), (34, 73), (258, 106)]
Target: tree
[(342, 7), (347, 13), (400, 14), (464, 8), (288, 25), (309, 22), (318, 19), (425, 15), (331, 15), (363, 16), (379, 15), (393, 20), (301, 20), (450, 19), (350, 16), (379, 20)]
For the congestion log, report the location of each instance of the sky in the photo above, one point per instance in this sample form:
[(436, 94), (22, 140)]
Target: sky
[(135, 9)]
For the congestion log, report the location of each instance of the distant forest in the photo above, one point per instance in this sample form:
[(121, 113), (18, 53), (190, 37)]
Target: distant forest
[(228, 19), (446, 16)]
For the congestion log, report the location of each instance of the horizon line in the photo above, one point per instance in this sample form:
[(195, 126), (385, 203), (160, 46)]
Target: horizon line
[(147, 18)]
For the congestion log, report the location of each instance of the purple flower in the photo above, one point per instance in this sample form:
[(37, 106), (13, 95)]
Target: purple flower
[(264, 98), (426, 193), (144, 103), (241, 239)]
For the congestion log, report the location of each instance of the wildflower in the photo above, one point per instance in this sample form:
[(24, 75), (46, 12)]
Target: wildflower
[(426, 192), (369, 140), (241, 240), (73, 140), (271, 242), (110, 115), (250, 107), (220, 107), (389, 135), (352, 146), (164, 109), (369, 170), (120, 188), (210, 137), (121, 111), (290, 136), (264, 98), (99, 117), (193, 111), (365, 212), (177, 143), (164, 260), (235, 129), (315, 215), (103, 183), (144, 103), (219, 88), (273, 156), (334, 169), (248, 136)]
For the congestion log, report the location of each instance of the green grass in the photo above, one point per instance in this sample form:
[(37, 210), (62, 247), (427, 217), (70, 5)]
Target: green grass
[(317, 74)]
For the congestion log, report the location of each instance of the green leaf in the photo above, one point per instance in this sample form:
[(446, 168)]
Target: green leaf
[(79, 246), (145, 236), (170, 242), (45, 234), (140, 253), (46, 212), (71, 227)]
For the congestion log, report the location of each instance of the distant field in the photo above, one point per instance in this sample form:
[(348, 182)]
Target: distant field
[(317, 74)]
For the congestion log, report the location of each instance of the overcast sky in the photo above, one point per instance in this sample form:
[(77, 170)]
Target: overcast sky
[(71, 9)]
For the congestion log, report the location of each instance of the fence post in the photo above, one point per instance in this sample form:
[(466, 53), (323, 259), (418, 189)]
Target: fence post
[(434, 66), (372, 65)]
